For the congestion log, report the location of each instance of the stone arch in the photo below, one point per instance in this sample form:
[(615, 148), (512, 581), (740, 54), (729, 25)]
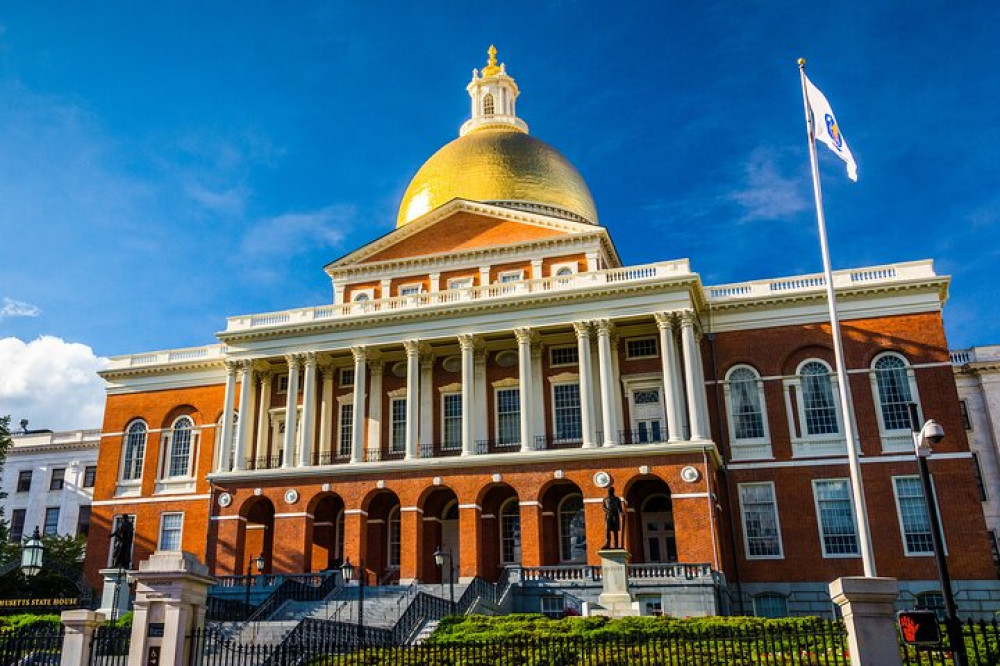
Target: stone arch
[(326, 537), (495, 550), (382, 556), (257, 533), (564, 529), (439, 524), (650, 535)]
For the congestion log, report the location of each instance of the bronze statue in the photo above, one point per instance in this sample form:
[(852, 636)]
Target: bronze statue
[(613, 511), (121, 551)]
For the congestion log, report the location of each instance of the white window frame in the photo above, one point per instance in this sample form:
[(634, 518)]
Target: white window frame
[(559, 525), (819, 519), (180, 530), (137, 479), (340, 377), (769, 595), (894, 441), (461, 282), (359, 293), (395, 515), (500, 526), (281, 384), (553, 364), (167, 445), (754, 448), (777, 522), (342, 427), (45, 520), (506, 277), (552, 395), (445, 444), (572, 266), (642, 338), (392, 424), (414, 289), (496, 415), (553, 605), (805, 445), (899, 516)]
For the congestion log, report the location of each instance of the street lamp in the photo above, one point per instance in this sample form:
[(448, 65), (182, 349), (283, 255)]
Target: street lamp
[(923, 437), (439, 557), (31, 554), (347, 569), (259, 562)]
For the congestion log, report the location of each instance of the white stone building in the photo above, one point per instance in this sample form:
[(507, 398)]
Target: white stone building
[(49, 480)]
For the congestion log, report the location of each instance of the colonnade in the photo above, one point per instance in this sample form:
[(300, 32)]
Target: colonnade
[(685, 403)]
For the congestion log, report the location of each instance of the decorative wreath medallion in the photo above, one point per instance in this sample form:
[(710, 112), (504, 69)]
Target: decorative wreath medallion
[(225, 499), (602, 479), (690, 474), (291, 496)]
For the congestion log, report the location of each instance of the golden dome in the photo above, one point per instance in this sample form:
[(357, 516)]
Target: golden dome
[(499, 164)]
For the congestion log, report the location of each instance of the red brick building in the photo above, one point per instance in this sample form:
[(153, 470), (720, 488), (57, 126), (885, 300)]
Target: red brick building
[(488, 367)]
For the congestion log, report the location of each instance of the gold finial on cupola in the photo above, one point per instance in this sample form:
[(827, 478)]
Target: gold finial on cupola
[(491, 62)]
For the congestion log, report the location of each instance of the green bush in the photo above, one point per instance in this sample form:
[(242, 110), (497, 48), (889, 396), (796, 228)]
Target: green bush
[(122, 621), (13, 622)]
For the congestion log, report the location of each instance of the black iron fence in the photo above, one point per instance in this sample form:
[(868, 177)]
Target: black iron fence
[(981, 644), (333, 644), (109, 646), (37, 645)]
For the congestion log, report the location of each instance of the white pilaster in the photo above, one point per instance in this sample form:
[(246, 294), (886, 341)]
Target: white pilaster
[(291, 410), (582, 329), (358, 420), (222, 461), (480, 415), (616, 376), (692, 366), (412, 348), (468, 345), (263, 414), (525, 387), (435, 282), (308, 411), (538, 408), (592, 261), (426, 402), (326, 415), (244, 425), (484, 275), (385, 288), (338, 294), (607, 382), (536, 269), (671, 376)]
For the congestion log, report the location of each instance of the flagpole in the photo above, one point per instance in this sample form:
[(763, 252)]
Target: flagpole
[(857, 489)]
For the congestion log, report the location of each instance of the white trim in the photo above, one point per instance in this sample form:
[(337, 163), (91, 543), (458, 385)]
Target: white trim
[(553, 364), (843, 461), (294, 514), (509, 384), (470, 506), (803, 444), (411, 508), (559, 529), (573, 266), (526, 502), (754, 448), (777, 522), (369, 292), (340, 377), (819, 520), (392, 401), (236, 517), (518, 275), (457, 444), (146, 500), (410, 285), (352, 512), (677, 496), (461, 282), (640, 338), (901, 440), (899, 515), (159, 537)]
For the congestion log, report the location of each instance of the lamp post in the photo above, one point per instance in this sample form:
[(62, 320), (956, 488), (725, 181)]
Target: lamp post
[(32, 554), (439, 557), (923, 438), (259, 562), (347, 569)]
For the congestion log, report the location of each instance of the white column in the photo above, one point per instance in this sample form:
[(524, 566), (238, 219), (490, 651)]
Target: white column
[(244, 426), (426, 404), (222, 461), (338, 294), (525, 387), (264, 414), (592, 261), (702, 397), (671, 376), (308, 411), (692, 365), (484, 275), (291, 410), (616, 376), (412, 348), (326, 415), (358, 414), (538, 408), (536, 269), (607, 382), (582, 329), (468, 345), (480, 415)]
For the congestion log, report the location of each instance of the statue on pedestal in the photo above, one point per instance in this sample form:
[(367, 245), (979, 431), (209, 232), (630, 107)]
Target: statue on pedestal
[(613, 512), (121, 550)]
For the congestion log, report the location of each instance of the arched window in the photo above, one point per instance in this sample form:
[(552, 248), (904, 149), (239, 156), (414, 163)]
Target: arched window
[(135, 451), (565, 271), (181, 439), (394, 538), (893, 391), (746, 404), (510, 532), (818, 406), (488, 104), (572, 529), (362, 297)]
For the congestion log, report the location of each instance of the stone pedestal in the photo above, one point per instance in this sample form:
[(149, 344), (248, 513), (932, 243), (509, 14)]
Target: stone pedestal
[(868, 606), (615, 600), (170, 594), (115, 579), (80, 627)]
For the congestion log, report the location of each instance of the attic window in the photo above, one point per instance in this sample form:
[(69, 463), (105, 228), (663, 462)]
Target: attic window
[(488, 104)]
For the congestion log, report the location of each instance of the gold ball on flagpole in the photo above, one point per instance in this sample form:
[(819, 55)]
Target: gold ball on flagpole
[(801, 61)]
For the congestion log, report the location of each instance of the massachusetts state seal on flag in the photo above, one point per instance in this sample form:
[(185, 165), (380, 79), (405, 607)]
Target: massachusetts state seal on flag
[(826, 128)]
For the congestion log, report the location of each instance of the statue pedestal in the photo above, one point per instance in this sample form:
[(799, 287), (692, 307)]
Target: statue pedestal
[(115, 579), (616, 600)]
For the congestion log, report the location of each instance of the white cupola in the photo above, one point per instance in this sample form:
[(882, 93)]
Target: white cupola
[(493, 96)]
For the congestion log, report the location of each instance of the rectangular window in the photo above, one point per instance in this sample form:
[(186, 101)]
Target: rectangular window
[(508, 416), (58, 478), (282, 384), (24, 481), (761, 531), (564, 356), (641, 348), (511, 276), (346, 377), (838, 533), (51, 522), (566, 411), (460, 283), (89, 476), (83, 521), (397, 409), (346, 430), (913, 519), (170, 531), (963, 407), (553, 606), (451, 421), (410, 289), (17, 525), (977, 469)]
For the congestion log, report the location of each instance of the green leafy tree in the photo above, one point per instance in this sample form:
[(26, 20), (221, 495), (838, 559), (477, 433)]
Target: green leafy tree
[(7, 549)]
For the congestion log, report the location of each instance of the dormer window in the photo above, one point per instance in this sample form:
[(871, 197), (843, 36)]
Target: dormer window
[(488, 104)]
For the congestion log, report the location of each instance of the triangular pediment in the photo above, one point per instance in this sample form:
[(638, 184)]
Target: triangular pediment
[(463, 226)]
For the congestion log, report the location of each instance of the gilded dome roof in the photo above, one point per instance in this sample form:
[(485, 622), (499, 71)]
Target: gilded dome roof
[(503, 165)]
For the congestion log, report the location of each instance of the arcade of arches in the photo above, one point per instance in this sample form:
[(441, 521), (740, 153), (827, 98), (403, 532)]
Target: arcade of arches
[(394, 528)]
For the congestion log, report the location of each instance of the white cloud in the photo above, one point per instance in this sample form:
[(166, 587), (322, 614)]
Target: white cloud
[(767, 194), (12, 308), (51, 382)]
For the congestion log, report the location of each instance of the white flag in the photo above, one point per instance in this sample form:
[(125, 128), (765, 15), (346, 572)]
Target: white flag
[(827, 130)]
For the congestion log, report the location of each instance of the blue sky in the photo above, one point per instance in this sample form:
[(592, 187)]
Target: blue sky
[(162, 167)]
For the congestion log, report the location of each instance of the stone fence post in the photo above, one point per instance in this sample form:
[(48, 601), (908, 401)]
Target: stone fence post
[(868, 607), (80, 627)]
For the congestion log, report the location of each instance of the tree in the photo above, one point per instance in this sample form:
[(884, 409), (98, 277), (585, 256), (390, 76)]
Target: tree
[(7, 549)]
